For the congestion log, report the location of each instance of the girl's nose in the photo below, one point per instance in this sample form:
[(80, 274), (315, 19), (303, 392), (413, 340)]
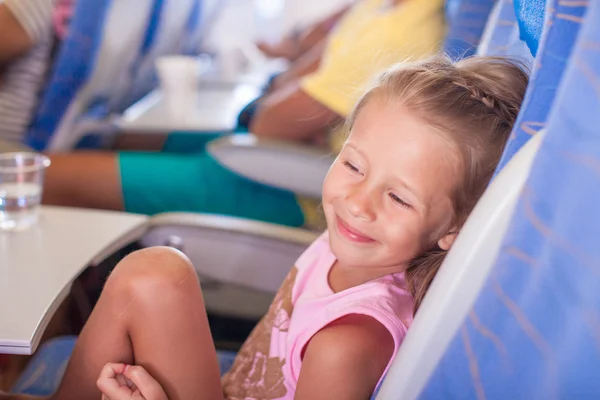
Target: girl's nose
[(360, 204)]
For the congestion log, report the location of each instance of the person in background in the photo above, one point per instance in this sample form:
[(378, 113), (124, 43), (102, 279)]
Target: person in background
[(30, 32), (26, 40), (62, 17), (312, 97), (327, 78)]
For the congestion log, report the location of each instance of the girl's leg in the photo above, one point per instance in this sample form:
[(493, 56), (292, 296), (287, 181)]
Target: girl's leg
[(151, 313)]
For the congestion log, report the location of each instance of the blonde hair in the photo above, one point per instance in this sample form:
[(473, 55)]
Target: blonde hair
[(474, 103)]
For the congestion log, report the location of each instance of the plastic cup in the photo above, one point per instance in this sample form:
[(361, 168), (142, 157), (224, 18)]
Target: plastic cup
[(21, 183), (179, 78)]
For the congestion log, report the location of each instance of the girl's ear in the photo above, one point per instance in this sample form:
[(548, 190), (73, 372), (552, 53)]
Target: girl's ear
[(448, 239)]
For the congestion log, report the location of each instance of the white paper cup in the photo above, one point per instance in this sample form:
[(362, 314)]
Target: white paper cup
[(179, 78)]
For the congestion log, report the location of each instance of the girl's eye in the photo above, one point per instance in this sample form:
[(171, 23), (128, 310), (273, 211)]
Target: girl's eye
[(399, 201), (351, 167)]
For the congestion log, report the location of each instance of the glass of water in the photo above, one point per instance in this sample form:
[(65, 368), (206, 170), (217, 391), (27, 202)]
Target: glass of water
[(21, 181)]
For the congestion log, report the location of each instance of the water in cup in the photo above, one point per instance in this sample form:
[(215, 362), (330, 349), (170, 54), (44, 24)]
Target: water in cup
[(19, 204), (21, 180)]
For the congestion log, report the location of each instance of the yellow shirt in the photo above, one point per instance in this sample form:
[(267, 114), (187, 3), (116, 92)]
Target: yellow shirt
[(368, 39)]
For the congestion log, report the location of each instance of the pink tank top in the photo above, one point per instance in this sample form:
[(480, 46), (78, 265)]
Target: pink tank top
[(268, 365)]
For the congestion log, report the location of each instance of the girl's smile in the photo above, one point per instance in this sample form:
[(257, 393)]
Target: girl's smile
[(352, 234)]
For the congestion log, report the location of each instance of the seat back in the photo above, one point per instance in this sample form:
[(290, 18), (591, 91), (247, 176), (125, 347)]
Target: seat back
[(531, 23), (554, 51), (464, 272), (170, 38), (502, 37), (92, 62), (457, 282), (466, 21), (533, 331), (192, 40), (119, 103)]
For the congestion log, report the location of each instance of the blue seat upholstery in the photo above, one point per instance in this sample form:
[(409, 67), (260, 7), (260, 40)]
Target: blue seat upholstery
[(93, 60), (116, 104), (503, 24), (44, 372), (466, 21), (502, 37), (72, 68), (171, 30), (151, 29), (193, 30), (531, 23), (533, 332), (557, 41), (47, 367)]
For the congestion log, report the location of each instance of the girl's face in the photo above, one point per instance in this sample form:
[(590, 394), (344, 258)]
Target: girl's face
[(387, 196)]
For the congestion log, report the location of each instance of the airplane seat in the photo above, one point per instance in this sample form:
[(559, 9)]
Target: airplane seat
[(532, 332), (529, 333), (92, 61), (553, 53), (118, 103), (466, 21), (502, 37), (192, 39), (170, 40)]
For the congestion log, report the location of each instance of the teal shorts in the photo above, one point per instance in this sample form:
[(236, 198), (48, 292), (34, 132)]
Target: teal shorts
[(186, 178)]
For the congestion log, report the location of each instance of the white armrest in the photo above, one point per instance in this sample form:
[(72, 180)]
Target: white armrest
[(300, 169), (241, 263)]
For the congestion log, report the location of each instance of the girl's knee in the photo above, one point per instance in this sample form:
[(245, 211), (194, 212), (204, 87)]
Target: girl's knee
[(155, 270)]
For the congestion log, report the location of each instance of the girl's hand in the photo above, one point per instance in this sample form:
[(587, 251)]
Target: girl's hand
[(128, 382)]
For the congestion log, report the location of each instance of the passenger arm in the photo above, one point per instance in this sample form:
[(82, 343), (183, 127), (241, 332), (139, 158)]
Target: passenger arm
[(14, 40), (291, 114), (305, 65)]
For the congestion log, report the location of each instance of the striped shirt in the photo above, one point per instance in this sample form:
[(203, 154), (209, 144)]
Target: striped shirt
[(23, 78)]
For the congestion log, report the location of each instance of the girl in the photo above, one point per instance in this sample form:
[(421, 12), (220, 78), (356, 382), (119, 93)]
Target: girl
[(423, 144)]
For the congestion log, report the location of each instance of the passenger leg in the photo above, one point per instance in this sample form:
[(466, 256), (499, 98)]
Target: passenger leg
[(86, 179), (152, 183)]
